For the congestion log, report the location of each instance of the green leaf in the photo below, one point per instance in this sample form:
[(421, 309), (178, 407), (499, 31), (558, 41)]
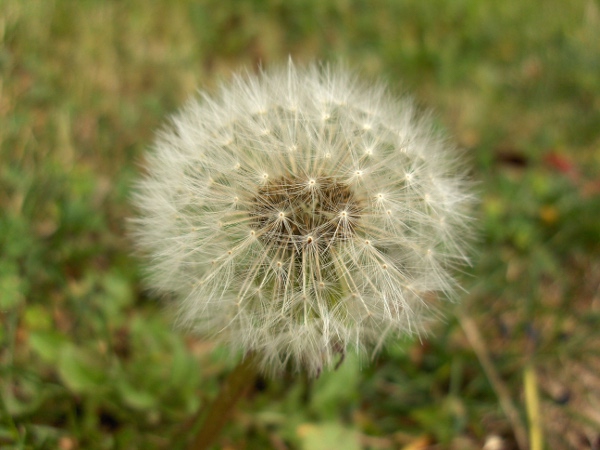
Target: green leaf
[(47, 344), (117, 294), (11, 287), (336, 389), (80, 370), (37, 317), (136, 398), (326, 436), (184, 368), (21, 398)]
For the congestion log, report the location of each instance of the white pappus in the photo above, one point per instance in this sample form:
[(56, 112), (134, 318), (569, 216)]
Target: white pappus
[(300, 213)]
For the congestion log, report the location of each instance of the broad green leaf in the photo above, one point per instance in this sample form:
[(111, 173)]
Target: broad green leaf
[(29, 397), (336, 389), (48, 345), (117, 294), (136, 398), (37, 317), (80, 370), (327, 436)]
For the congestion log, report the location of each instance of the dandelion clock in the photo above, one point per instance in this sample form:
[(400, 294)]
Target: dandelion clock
[(299, 214)]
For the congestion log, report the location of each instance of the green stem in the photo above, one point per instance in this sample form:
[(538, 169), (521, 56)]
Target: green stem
[(235, 386)]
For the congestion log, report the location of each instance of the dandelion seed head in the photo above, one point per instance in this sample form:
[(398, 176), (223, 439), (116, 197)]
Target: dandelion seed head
[(324, 214)]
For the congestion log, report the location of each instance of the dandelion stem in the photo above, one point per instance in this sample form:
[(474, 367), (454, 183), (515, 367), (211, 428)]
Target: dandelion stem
[(235, 386)]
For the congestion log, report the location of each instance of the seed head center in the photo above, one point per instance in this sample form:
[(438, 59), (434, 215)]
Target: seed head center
[(295, 213)]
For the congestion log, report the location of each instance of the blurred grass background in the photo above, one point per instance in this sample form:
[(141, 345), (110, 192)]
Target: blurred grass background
[(89, 361)]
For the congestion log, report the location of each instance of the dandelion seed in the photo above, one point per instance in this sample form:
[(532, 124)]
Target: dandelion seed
[(326, 247)]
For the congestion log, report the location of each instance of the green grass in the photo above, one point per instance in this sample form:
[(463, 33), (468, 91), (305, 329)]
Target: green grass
[(89, 360)]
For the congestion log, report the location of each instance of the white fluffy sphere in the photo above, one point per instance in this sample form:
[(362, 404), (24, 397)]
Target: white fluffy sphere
[(299, 213)]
